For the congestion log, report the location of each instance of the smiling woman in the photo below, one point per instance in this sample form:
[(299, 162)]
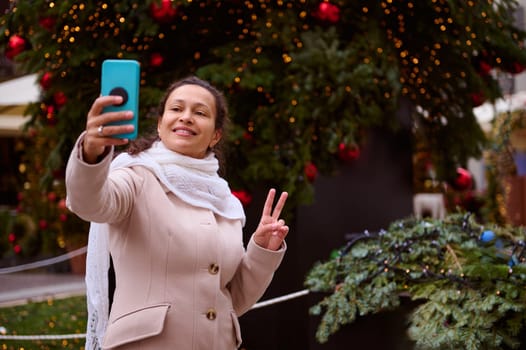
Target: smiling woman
[(171, 225)]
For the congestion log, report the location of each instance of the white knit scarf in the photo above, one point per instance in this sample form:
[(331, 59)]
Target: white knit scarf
[(193, 180)]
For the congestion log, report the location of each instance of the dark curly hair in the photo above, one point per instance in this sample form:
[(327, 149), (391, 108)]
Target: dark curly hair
[(222, 119)]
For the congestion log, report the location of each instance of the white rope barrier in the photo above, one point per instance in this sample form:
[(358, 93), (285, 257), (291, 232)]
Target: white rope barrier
[(44, 263), (280, 299), (43, 337), (78, 336)]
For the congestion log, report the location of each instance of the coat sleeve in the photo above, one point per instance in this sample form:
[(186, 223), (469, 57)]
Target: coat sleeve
[(254, 275), (95, 194)]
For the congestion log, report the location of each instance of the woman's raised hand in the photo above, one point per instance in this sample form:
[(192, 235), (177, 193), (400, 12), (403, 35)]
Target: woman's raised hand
[(98, 133), (272, 230)]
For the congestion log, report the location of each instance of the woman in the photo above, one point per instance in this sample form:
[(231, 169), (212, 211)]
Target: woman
[(172, 227)]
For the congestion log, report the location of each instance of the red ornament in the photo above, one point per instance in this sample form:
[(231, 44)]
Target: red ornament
[(45, 81), (328, 12), (464, 180), (247, 136), (61, 204), (244, 197), (517, 68), (42, 224), (50, 115), (156, 59), (51, 196), (477, 99), (11, 237), (15, 46), (47, 23), (348, 153), (311, 172), (484, 68), (163, 11), (17, 249), (60, 99), (63, 217)]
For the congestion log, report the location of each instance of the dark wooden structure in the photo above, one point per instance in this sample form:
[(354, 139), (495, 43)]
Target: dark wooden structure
[(367, 194)]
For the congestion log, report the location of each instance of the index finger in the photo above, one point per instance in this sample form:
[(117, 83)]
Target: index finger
[(279, 206), (103, 101)]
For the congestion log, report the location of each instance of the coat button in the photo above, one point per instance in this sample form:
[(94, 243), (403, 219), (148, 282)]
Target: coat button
[(211, 314), (213, 269)]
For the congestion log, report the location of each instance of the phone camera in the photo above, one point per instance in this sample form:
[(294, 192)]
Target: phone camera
[(119, 91)]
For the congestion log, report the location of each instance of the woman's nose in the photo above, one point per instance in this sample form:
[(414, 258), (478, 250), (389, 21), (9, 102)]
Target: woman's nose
[(185, 116)]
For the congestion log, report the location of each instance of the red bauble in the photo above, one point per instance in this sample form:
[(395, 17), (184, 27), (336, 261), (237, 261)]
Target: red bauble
[(311, 172), (50, 115), (517, 68), (45, 81), (11, 237), (156, 59), (61, 204), (50, 111), (247, 136), (484, 68), (60, 99), (244, 197), (17, 249), (464, 180), (15, 46), (477, 98), (328, 12), (51, 196), (163, 11), (348, 153), (42, 224), (47, 23)]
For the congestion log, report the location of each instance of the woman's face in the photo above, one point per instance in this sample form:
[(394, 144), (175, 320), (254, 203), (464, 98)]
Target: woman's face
[(187, 125)]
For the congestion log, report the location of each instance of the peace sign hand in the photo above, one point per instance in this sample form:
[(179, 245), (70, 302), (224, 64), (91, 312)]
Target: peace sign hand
[(271, 230)]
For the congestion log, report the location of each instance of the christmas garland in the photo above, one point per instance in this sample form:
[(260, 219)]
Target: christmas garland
[(467, 280)]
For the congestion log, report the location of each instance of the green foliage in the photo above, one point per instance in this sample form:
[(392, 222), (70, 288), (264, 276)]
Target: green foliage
[(54, 316), (469, 291)]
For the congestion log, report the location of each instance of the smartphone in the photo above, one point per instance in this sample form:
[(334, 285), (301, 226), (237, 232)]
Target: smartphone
[(122, 77)]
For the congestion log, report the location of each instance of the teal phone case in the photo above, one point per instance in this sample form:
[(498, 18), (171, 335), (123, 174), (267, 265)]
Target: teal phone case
[(121, 77)]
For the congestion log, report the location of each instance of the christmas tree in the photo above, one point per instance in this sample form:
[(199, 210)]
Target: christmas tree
[(305, 79)]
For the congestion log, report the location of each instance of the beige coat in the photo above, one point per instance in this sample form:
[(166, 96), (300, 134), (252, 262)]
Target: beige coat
[(182, 274)]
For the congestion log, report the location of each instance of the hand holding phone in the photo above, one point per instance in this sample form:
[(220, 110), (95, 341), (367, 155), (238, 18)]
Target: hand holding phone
[(122, 77)]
